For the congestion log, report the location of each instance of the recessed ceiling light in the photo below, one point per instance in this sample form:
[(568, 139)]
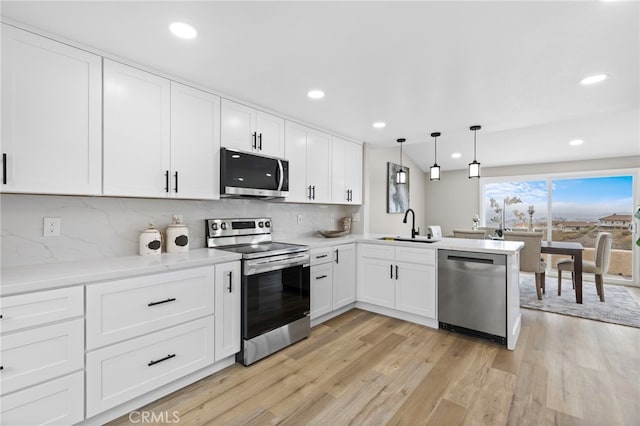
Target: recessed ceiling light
[(456, 155), (379, 124), (593, 79), (576, 142), (315, 94), (182, 30)]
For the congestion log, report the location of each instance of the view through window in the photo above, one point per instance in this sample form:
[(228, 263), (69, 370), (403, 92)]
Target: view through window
[(567, 209)]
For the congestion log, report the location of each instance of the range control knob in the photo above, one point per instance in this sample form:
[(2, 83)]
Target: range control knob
[(223, 226), (261, 224), (267, 224), (214, 226)]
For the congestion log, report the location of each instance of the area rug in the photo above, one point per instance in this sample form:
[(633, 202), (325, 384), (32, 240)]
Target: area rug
[(620, 307)]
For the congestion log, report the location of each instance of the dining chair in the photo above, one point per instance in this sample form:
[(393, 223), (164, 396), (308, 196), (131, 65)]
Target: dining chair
[(530, 260), (598, 267), (469, 234)]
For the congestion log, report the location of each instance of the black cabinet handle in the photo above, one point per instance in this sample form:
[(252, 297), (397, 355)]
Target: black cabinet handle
[(172, 299), (309, 197), (321, 256), (321, 277), (176, 176), (4, 168), (161, 359), (337, 256), (314, 192), (391, 271), (396, 272), (230, 288), (1, 367), (0, 316), (260, 140), (254, 140), (166, 181)]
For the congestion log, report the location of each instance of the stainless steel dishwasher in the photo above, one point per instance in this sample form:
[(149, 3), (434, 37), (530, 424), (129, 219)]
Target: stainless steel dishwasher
[(472, 294)]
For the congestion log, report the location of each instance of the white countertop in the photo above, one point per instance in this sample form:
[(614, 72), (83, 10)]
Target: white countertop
[(22, 279)]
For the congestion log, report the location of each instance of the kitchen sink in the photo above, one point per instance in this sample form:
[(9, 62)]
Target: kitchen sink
[(417, 239)]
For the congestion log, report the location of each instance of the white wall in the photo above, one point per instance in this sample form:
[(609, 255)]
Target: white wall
[(377, 219), (94, 227), (452, 201)]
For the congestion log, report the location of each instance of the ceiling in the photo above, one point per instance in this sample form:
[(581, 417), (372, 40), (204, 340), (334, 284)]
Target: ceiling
[(512, 67)]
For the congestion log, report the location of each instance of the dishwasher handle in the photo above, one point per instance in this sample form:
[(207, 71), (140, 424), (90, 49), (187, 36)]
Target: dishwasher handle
[(470, 259)]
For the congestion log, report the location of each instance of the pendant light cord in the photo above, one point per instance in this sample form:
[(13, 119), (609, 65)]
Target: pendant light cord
[(435, 150), (474, 145)]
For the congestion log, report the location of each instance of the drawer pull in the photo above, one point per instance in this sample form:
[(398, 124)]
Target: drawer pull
[(321, 277), (321, 256), (1, 367), (161, 359), (171, 299)]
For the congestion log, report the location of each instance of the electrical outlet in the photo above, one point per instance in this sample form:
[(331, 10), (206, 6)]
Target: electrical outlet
[(51, 227), (299, 218), (355, 217)]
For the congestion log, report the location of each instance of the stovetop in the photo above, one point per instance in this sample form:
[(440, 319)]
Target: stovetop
[(249, 237), (253, 251)]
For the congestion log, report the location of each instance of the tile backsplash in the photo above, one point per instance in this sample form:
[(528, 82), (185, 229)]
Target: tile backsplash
[(93, 227)]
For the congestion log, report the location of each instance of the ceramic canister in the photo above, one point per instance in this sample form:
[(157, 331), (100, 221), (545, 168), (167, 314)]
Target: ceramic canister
[(150, 242), (177, 235)]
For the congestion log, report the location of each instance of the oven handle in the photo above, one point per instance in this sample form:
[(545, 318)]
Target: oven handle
[(251, 268)]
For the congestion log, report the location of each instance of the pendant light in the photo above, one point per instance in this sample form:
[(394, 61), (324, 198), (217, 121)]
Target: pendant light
[(434, 171), (401, 176), (474, 167)]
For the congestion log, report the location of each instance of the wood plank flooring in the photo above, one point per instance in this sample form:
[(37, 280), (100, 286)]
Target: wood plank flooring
[(366, 369)]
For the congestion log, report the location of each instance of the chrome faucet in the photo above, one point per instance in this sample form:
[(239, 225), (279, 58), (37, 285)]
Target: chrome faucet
[(413, 222)]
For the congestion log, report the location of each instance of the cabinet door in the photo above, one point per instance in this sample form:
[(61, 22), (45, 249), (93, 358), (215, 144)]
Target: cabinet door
[(296, 153), (321, 290), (338, 171), (344, 275), (51, 116), (270, 134), (416, 289), (353, 172), (238, 126), (136, 132), (319, 165), (195, 143), (375, 284), (227, 336)]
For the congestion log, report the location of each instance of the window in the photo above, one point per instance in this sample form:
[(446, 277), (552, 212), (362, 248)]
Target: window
[(567, 208)]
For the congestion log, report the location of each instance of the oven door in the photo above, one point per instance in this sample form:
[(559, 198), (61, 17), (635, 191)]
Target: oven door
[(274, 297)]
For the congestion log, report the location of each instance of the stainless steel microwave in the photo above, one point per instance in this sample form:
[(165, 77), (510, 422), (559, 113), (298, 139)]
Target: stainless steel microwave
[(243, 174)]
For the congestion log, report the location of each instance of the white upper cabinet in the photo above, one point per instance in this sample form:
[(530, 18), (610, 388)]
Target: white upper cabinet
[(136, 132), (250, 130), (51, 112), (346, 172), (161, 138), (308, 152), (195, 143)]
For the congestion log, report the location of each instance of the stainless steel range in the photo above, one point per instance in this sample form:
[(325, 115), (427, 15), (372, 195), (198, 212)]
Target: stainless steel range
[(275, 285)]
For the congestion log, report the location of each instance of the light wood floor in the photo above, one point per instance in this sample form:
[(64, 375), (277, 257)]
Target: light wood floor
[(363, 368)]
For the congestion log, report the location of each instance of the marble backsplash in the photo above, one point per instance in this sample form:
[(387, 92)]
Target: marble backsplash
[(94, 227)]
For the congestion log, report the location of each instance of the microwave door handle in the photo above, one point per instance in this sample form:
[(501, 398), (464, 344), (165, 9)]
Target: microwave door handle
[(280, 175)]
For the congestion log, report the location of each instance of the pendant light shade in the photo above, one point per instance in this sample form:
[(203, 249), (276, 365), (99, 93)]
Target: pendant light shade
[(401, 176), (474, 166), (434, 171)]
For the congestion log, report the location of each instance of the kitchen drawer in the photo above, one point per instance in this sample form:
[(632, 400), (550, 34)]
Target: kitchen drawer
[(424, 256), (123, 309), (378, 251), (32, 356), (60, 401), (123, 371), (321, 255), (44, 307)]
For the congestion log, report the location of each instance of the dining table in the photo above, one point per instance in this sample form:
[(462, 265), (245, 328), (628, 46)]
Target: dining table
[(572, 249)]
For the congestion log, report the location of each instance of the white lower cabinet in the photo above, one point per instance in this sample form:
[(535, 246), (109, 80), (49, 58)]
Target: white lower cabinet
[(333, 278), (399, 278), (58, 401), (227, 335), (123, 371)]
